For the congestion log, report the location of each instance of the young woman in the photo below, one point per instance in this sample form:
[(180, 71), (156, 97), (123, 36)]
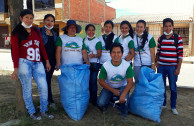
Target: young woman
[(107, 40), (144, 49), (126, 40), (94, 49), (27, 49), (49, 38), (70, 48)]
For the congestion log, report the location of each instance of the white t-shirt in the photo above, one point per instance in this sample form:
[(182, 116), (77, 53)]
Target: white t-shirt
[(116, 76), (92, 46), (71, 49), (105, 53), (145, 52), (127, 43)]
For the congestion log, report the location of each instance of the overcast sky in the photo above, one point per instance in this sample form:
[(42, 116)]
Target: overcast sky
[(132, 7)]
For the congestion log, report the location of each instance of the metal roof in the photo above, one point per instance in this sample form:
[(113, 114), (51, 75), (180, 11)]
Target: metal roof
[(155, 18)]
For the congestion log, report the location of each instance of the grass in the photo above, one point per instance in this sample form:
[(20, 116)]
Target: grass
[(92, 117)]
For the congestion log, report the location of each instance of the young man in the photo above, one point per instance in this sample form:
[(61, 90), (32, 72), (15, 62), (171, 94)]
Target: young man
[(169, 59), (116, 78)]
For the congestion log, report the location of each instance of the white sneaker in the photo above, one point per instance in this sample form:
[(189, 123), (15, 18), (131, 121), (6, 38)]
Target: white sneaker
[(174, 111)]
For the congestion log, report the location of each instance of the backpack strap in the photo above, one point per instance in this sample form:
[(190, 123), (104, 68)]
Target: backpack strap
[(176, 40), (160, 41)]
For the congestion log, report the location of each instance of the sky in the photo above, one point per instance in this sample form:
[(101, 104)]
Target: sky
[(135, 7)]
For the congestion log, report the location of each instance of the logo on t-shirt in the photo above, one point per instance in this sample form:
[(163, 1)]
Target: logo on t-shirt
[(71, 45), (139, 49), (117, 77), (88, 50)]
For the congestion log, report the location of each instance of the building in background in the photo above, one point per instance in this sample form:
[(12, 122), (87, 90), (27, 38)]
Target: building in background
[(183, 25), (83, 11)]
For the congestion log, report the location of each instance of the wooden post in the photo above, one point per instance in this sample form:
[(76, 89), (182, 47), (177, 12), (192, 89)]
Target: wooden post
[(15, 7), (20, 106)]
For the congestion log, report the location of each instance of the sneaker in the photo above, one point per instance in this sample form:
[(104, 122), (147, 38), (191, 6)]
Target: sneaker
[(103, 109), (47, 115), (53, 106), (174, 111), (35, 116)]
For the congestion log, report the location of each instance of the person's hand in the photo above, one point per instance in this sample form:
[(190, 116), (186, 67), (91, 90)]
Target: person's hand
[(157, 64), (48, 66), (91, 55), (153, 67), (122, 99), (116, 92), (177, 71), (14, 75), (57, 66), (127, 58)]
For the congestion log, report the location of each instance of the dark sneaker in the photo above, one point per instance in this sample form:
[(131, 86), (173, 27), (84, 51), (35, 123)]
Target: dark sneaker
[(35, 116), (53, 106), (103, 109), (47, 115)]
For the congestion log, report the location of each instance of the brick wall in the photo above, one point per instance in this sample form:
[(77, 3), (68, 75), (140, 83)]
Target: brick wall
[(79, 10)]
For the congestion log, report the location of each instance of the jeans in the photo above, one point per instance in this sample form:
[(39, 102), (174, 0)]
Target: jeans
[(137, 70), (106, 95), (168, 71), (48, 79), (28, 69), (94, 68)]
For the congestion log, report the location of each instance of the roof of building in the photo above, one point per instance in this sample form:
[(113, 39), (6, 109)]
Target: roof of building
[(155, 18)]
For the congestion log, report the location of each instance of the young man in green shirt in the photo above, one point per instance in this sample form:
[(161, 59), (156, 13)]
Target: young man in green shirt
[(116, 78)]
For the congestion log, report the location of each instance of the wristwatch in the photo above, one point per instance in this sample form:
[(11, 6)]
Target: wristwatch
[(153, 63)]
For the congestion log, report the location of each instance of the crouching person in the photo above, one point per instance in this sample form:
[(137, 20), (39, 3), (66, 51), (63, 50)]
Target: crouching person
[(116, 78)]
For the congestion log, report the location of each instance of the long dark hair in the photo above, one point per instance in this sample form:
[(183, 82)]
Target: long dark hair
[(108, 39), (19, 29), (145, 33), (130, 27)]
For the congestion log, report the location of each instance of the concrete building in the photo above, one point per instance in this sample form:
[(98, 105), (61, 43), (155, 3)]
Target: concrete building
[(83, 11), (183, 25)]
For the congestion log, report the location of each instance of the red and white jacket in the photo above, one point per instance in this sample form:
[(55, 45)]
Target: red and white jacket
[(31, 49)]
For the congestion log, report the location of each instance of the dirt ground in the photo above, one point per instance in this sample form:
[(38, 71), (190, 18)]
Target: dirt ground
[(93, 117)]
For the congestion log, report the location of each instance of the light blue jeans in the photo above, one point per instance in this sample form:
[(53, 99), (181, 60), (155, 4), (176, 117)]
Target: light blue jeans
[(28, 69)]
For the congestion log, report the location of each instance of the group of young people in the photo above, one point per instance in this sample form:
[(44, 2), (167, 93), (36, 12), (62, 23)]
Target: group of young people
[(38, 52)]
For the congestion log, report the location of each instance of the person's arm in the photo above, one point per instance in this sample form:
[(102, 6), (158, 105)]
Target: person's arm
[(129, 76), (157, 54), (152, 45), (58, 52), (126, 90), (99, 51), (180, 55), (44, 54), (131, 53), (15, 55), (102, 78), (152, 53), (85, 54)]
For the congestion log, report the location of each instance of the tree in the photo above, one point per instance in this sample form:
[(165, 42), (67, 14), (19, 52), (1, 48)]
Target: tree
[(15, 7)]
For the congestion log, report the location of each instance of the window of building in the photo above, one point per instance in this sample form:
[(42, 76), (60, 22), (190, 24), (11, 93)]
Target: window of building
[(184, 33), (44, 4), (3, 6)]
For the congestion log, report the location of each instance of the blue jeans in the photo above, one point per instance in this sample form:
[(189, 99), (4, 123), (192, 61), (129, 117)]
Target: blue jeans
[(168, 71), (28, 69), (94, 68), (48, 79), (106, 95)]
